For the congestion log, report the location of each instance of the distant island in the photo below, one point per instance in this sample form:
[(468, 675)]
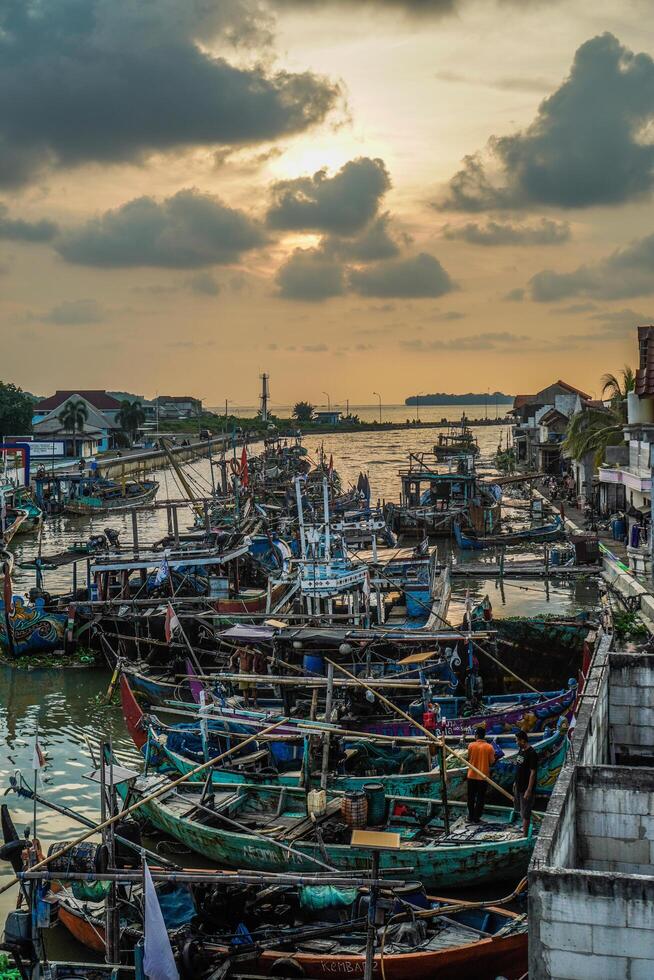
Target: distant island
[(472, 398)]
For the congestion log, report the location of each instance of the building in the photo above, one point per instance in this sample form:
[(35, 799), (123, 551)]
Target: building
[(95, 435), (177, 406), (625, 476), (540, 423), (327, 418)]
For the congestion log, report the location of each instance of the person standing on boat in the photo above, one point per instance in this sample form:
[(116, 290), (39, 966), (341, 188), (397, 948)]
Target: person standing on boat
[(481, 755), (525, 781)]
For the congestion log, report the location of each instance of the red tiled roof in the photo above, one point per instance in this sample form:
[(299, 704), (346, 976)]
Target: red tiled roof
[(645, 373), (96, 397), (571, 388)]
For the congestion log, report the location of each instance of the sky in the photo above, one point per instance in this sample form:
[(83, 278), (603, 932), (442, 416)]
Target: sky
[(360, 195)]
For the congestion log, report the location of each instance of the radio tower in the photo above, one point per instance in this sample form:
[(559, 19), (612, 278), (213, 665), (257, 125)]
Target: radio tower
[(265, 395)]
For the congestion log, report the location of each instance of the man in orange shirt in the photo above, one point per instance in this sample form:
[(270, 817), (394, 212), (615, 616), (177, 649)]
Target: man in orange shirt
[(482, 757)]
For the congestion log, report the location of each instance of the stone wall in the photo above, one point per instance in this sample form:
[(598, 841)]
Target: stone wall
[(615, 820), (631, 708)]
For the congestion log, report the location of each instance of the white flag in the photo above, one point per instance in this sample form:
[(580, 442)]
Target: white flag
[(158, 960)]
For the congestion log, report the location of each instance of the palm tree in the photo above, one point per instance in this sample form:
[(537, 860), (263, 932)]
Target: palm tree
[(73, 417), (303, 411), (130, 418), (592, 430), (618, 388)]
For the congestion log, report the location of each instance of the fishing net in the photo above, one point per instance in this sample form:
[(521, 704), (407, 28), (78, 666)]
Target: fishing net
[(318, 897)]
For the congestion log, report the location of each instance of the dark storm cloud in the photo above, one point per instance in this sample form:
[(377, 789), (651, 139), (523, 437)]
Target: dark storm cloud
[(626, 272), (17, 230), (546, 232), (412, 8), (115, 80), (418, 276), (310, 275), (375, 242), (186, 231), (588, 144), (341, 205)]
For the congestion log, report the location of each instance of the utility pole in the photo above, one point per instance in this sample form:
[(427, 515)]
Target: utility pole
[(265, 396), (380, 404)]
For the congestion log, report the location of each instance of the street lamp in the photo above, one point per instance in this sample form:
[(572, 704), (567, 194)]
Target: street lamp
[(380, 404), (418, 404), (329, 401)]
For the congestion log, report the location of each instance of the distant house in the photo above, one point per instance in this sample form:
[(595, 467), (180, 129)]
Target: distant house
[(177, 406), (327, 418), (99, 429), (537, 444)]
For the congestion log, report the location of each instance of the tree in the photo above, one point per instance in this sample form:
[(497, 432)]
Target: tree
[(618, 388), (130, 418), (16, 410), (72, 418), (303, 411), (592, 430)]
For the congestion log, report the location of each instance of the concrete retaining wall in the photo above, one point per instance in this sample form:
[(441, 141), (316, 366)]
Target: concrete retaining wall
[(615, 820), (631, 708)]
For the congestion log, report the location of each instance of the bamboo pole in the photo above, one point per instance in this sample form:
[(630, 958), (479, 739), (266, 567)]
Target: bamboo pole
[(165, 788), (430, 735)]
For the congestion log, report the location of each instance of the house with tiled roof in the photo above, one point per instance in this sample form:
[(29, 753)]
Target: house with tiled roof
[(536, 442), (100, 425)]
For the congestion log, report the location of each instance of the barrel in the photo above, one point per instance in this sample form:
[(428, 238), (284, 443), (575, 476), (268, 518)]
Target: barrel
[(314, 663), (555, 556), (354, 809), (376, 798), (618, 528), (411, 893), (82, 858)]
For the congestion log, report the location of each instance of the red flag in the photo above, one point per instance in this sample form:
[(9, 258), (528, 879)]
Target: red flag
[(172, 623), (245, 475)]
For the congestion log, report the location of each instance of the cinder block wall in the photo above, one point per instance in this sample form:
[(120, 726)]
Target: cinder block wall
[(593, 926), (615, 820), (631, 708)]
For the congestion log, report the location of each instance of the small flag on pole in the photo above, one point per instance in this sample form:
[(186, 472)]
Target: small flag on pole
[(158, 960), (172, 623), (245, 473), (38, 759), (163, 572)]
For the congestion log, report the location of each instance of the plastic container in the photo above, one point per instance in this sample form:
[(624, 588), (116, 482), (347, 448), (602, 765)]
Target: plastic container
[(618, 528), (354, 810), (314, 663), (316, 802), (376, 798)]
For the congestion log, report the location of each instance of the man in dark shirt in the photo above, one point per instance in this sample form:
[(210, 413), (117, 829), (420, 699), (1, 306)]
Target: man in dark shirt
[(525, 781)]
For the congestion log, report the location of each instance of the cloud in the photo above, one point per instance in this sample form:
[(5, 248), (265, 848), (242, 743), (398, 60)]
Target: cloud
[(116, 80), (186, 231), (588, 144), (203, 284), (573, 309), (341, 205), (514, 295), (419, 276), (546, 232), (17, 230), (627, 272), (72, 313), (375, 242), (618, 321), (473, 342), (507, 83), (310, 275)]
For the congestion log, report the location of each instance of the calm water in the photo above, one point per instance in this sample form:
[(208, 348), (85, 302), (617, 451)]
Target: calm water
[(67, 705)]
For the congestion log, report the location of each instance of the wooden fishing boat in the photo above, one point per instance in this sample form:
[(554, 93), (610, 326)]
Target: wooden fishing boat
[(261, 827), (401, 770), (470, 542), (457, 441), (448, 941), (29, 628), (19, 500), (10, 524), (94, 495)]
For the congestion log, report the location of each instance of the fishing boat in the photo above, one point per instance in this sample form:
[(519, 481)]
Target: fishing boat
[(89, 495), (29, 628), (458, 439), (19, 500), (402, 770), (317, 930), (262, 827), (469, 541)]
